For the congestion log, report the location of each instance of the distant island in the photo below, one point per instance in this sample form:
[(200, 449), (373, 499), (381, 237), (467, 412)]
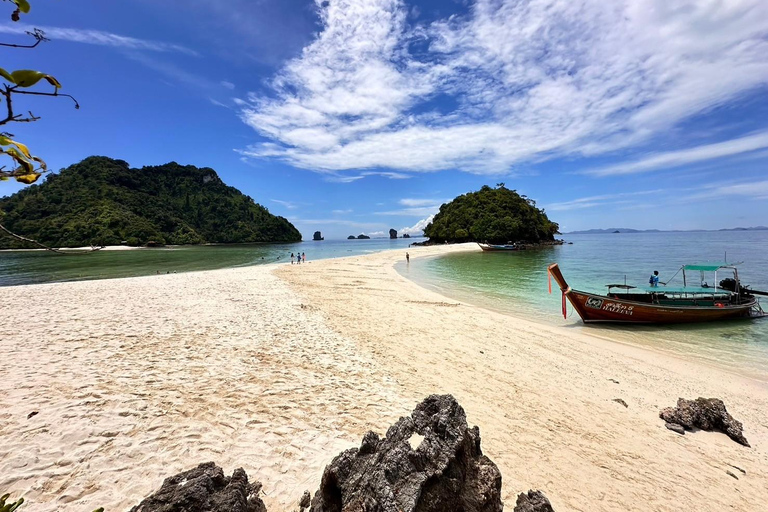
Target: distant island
[(102, 201), (318, 236), (629, 230), (358, 237), (495, 215)]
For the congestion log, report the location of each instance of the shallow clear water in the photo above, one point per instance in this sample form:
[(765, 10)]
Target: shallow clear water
[(516, 283), (29, 267)]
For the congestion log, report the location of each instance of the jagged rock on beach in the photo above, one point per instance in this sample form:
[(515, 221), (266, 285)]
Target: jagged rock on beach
[(205, 489), (305, 500), (704, 414), (533, 501), (674, 427), (428, 462)]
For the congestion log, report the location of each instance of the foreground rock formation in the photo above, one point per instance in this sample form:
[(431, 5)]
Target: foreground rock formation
[(428, 462), (704, 414), (533, 501), (205, 489)]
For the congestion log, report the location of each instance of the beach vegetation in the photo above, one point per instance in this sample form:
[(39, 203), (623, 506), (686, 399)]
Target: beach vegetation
[(102, 201), (25, 167), (495, 215)]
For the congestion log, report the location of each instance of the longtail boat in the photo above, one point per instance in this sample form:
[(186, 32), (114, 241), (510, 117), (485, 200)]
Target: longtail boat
[(498, 247), (663, 304)]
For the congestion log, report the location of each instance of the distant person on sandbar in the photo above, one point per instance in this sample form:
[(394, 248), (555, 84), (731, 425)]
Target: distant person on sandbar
[(292, 258), (407, 258), (654, 280), (303, 258)]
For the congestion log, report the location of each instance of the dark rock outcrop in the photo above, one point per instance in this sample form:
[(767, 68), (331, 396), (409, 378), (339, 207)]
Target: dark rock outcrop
[(428, 462), (392, 234), (674, 427), (205, 489), (704, 414), (533, 501), (318, 236)]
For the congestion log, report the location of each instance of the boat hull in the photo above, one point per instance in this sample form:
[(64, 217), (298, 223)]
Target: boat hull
[(600, 308), (497, 248)]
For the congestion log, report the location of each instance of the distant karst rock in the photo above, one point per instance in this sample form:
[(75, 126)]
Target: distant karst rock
[(318, 236), (704, 414), (363, 237), (406, 235), (351, 237), (392, 234), (533, 501), (205, 489), (428, 462)]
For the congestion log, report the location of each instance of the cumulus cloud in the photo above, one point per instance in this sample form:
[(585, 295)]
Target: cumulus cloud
[(418, 228), (526, 81)]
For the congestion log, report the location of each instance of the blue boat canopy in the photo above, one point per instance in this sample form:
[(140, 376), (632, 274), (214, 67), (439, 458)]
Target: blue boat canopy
[(707, 267)]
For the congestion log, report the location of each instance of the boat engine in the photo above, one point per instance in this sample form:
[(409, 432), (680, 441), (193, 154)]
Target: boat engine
[(730, 285)]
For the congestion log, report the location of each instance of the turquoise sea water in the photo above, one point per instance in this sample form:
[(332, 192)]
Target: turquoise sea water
[(516, 283), (30, 267)]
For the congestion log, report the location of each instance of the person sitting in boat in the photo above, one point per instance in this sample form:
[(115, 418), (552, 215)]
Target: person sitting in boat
[(654, 280)]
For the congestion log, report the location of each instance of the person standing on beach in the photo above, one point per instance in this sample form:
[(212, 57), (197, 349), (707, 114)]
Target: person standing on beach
[(292, 257), (303, 258), (407, 258)]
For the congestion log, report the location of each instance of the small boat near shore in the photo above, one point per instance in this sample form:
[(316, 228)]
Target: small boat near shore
[(498, 247), (665, 304)]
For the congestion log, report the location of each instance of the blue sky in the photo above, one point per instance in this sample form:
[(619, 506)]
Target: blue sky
[(359, 116)]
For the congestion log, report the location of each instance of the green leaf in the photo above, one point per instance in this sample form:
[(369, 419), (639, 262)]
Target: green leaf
[(28, 78), (6, 75), (23, 5)]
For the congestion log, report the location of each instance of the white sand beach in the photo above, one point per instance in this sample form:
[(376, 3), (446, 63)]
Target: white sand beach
[(277, 368)]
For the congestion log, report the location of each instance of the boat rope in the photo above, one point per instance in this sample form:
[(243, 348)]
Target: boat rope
[(671, 278), (549, 281), (565, 308)]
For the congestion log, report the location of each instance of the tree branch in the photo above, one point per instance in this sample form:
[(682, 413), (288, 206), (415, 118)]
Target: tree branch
[(35, 93), (35, 242), (39, 36)]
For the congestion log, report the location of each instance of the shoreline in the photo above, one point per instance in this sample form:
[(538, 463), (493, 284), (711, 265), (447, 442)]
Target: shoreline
[(278, 368), (619, 337)]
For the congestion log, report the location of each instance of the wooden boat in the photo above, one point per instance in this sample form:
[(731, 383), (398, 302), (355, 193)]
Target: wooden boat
[(494, 247), (663, 304)]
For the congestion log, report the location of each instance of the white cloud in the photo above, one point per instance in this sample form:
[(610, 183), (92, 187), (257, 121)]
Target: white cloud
[(418, 228), (227, 85), (341, 212), (529, 80), (286, 204), (421, 202), (601, 200), (98, 37), (746, 190), (687, 156)]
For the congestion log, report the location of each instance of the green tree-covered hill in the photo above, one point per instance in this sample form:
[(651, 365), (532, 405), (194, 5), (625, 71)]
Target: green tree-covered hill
[(101, 201), (495, 215)]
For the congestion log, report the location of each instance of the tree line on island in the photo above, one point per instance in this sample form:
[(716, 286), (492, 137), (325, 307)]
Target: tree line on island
[(102, 201), (494, 215)]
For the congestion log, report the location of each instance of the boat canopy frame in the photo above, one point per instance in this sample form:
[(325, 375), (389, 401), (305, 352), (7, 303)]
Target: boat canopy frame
[(711, 267)]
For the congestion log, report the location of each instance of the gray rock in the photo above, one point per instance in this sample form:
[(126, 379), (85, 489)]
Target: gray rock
[(305, 500), (428, 462), (205, 489), (704, 414), (533, 501), (674, 427), (620, 401)]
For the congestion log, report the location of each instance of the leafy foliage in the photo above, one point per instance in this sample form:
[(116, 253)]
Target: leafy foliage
[(495, 215), (101, 201)]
